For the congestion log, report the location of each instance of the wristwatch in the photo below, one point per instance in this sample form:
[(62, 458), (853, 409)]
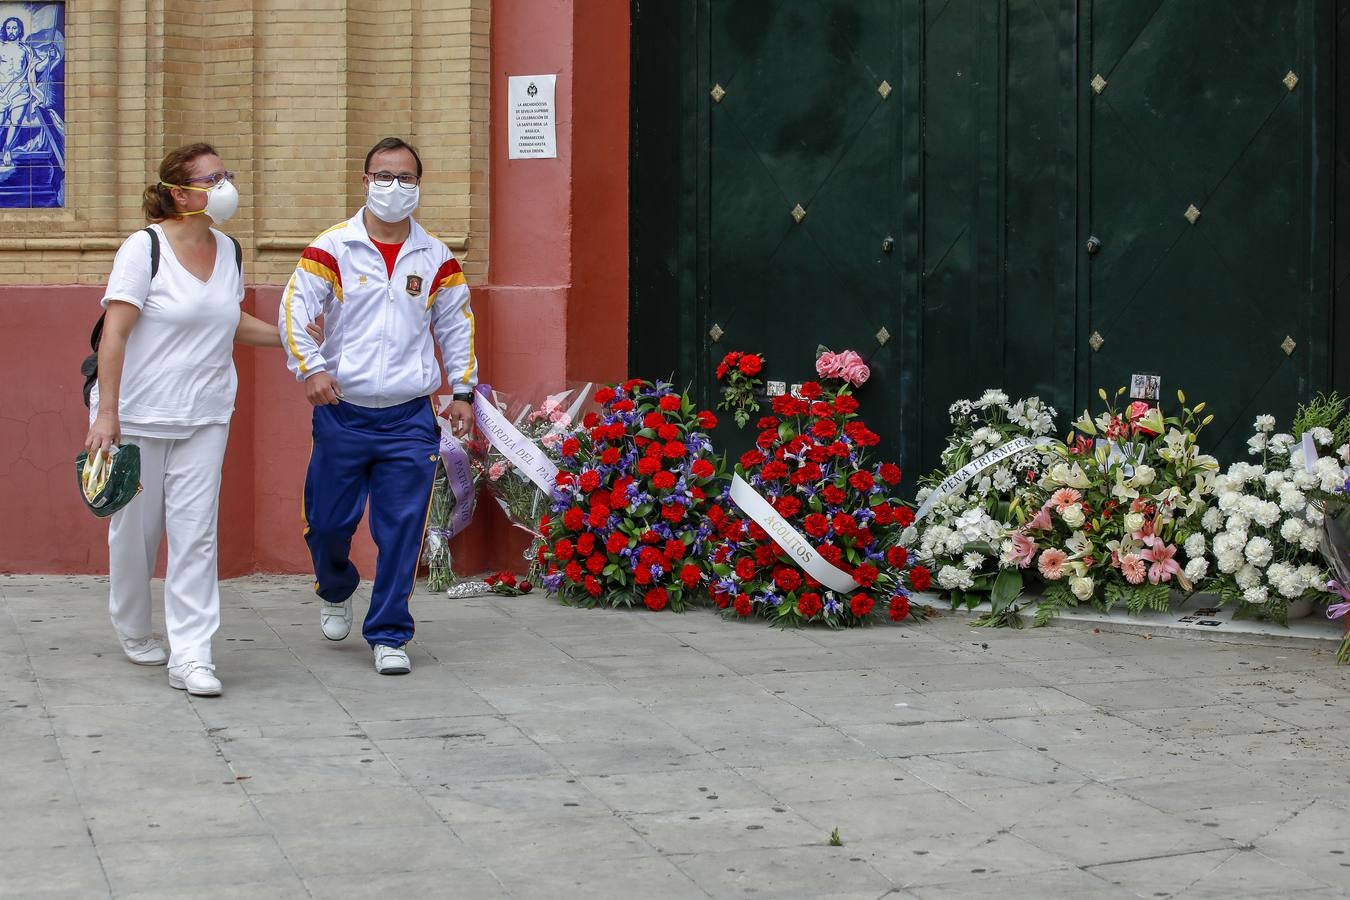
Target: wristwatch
[(464, 396)]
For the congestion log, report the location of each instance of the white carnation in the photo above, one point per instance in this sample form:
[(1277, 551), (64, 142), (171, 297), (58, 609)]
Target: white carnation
[(1197, 568), (1229, 561), (1281, 443), (1312, 577), (1212, 521), (1265, 424), (1259, 551), (954, 578), (1310, 541), (1292, 499), (1322, 436), (1248, 577), (1256, 444), (1256, 595), (1291, 530), (1195, 546), (1267, 514)]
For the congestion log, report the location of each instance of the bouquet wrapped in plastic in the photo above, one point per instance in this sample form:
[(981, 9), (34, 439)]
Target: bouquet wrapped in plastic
[(518, 456), (453, 497)]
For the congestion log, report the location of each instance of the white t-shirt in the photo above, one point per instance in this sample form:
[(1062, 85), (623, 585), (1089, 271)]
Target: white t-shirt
[(179, 366)]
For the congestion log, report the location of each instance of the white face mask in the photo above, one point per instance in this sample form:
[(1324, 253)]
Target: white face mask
[(222, 201), (393, 203)]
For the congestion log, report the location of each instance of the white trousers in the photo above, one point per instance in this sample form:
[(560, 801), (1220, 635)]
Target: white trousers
[(180, 489)]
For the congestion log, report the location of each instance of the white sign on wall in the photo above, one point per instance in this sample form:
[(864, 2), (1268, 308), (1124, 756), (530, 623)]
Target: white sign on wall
[(532, 131)]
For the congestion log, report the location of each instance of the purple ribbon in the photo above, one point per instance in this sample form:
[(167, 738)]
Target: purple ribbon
[(459, 474), (1337, 610)]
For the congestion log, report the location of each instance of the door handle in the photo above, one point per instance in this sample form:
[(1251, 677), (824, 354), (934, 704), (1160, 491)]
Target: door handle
[(887, 244), (1094, 244)]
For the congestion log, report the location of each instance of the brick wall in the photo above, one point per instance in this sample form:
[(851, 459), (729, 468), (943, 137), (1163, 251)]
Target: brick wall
[(291, 92)]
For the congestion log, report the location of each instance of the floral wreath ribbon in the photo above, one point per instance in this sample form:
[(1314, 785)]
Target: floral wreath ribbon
[(459, 473), (523, 453), (958, 479), (753, 504)]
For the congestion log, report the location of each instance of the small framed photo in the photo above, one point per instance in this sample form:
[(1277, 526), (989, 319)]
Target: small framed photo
[(1145, 387)]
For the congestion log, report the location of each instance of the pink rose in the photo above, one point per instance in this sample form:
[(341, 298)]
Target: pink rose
[(846, 366), (827, 365)]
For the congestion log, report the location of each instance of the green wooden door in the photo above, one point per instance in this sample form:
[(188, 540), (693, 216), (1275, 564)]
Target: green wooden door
[(801, 240), (1200, 173)]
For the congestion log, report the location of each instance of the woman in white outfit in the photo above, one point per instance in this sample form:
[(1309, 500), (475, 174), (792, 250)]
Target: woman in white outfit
[(166, 382)]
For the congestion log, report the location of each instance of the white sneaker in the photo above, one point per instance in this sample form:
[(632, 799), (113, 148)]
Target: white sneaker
[(146, 651), (336, 619), (391, 660), (197, 678)]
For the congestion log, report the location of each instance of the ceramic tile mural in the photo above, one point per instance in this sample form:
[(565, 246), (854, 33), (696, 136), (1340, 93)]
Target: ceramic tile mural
[(32, 105)]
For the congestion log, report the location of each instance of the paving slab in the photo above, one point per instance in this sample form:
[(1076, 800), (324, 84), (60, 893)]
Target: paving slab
[(538, 750)]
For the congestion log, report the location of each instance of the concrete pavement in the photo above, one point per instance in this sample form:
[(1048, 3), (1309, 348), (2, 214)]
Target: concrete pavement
[(543, 751)]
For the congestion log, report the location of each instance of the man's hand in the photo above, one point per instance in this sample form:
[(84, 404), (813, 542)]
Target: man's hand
[(461, 416), (322, 389)]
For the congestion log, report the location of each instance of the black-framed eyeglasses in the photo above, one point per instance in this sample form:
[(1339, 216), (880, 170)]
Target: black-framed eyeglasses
[(213, 179), (384, 179)]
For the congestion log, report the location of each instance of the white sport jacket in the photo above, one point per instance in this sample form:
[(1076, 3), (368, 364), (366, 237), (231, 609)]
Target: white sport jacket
[(378, 329)]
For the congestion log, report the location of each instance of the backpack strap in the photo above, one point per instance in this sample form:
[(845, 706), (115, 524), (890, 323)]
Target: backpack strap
[(238, 254), (89, 368), (154, 250)]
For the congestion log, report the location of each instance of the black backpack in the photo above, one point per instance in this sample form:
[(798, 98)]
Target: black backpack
[(89, 368)]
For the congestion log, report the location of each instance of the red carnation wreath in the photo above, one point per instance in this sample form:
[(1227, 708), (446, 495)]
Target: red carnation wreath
[(810, 464), (629, 520)]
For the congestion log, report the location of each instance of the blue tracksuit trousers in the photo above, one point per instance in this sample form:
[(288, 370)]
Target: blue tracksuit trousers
[(388, 455)]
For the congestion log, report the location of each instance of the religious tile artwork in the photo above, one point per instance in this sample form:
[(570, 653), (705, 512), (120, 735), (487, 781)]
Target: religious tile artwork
[(32, 105)]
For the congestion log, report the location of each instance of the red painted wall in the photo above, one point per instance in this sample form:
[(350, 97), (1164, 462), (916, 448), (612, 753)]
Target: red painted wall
[(553, 312)]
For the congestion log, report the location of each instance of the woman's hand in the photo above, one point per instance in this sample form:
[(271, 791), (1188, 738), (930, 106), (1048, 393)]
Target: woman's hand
[(104, 434)]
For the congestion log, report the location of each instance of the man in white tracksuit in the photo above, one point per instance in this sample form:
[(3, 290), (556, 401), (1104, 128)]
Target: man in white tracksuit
[(384, 288)]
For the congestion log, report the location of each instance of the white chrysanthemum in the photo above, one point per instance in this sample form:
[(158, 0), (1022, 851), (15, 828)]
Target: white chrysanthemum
[(993, 397), (972, 561), (1197, 568), (1004, 480), (1229, 561), (1256, 595), (1256, 444), (1006, 551), (1264, 424), (1267, 514), (1212, 520), (1291, 530), (1259, 551), (1195, 546), (1248, 576)]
